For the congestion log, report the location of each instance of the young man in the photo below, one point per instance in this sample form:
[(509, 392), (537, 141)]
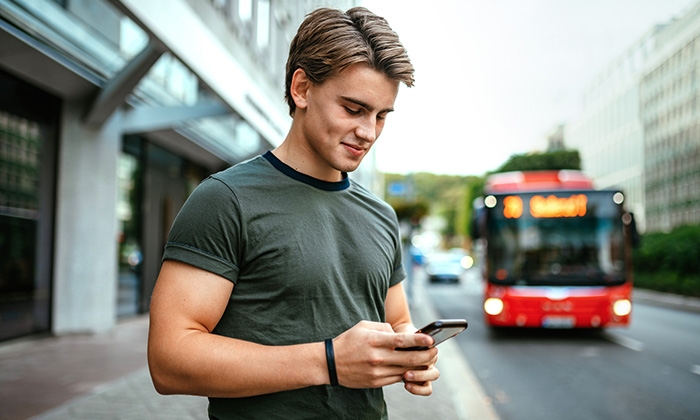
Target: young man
[(280, 294)]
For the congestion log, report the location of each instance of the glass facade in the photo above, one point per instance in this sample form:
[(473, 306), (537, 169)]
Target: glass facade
[(153, 185), (130, 170), (19, 200), (26, 207), (608, 132), (671, 117), (640, 127), (91, 33)]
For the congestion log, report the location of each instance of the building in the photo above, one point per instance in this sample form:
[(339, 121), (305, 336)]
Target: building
[(608, 132), (555, 139), (636, 130), (670, 113), (111, 112)]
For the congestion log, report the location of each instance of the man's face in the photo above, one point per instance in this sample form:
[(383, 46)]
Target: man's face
[(344, 116)]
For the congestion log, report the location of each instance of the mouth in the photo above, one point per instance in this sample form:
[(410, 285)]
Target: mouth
[(354, 150)]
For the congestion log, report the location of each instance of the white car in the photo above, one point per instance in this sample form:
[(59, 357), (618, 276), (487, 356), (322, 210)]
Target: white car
[(448, 266)]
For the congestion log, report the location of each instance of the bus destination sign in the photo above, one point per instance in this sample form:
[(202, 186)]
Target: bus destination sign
[(546, 207)]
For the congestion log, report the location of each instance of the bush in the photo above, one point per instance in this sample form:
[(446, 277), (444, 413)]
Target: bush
[(668, 261), (669, 282)]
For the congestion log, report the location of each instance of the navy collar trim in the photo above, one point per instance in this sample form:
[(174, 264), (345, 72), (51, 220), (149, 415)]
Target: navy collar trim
[(309, 180)]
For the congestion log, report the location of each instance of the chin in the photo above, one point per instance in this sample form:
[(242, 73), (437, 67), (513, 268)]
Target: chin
[(348, 167)]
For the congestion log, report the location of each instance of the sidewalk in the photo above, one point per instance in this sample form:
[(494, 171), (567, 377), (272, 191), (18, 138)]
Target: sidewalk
[(105, 377), (684, 303)]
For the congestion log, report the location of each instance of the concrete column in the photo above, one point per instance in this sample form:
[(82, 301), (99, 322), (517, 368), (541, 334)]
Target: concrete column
[(85, 253)]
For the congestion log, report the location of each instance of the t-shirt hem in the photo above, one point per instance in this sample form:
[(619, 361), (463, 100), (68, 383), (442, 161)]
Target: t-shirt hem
[(200, 259), (397, 276)]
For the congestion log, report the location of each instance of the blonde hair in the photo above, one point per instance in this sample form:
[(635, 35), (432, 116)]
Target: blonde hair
[(330, 40)]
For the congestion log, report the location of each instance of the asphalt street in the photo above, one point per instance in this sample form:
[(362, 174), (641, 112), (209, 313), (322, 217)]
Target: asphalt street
[(650, 370)]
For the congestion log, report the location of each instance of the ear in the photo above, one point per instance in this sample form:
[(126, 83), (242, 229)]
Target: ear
[(300, 88)]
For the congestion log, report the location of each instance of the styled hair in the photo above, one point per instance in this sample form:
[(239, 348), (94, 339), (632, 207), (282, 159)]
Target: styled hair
[(330, 40)]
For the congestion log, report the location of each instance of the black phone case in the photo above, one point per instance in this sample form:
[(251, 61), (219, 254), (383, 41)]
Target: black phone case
[(439, 325)]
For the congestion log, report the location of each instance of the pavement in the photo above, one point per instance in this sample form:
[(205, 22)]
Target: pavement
[(668, 300), (105, 376)]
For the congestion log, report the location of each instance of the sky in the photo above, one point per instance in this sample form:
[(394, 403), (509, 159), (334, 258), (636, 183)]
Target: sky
[(495, 77)]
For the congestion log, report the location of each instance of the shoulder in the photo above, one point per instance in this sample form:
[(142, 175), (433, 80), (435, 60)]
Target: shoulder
[(243, 179), (224, 188), (370, 200), (249, 170), (366, 195)]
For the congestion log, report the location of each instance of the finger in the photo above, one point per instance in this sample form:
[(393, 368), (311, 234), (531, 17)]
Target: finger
[(427, 375), (413, 359), (385, 380), (404, 340), (430, 338), (434, 360), (424, 389), (391, 371)]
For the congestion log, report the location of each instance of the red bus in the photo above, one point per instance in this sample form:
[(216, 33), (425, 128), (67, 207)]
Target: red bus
[(557, 252)]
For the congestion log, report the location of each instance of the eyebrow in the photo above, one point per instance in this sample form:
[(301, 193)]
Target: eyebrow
[(364, 105)]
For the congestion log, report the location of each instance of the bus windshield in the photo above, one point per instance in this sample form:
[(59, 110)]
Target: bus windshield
[(556, 239)]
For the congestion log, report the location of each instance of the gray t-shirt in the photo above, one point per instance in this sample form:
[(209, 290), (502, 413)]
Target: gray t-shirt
[(309, 260)]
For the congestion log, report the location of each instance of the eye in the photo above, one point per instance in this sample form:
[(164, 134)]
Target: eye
[(352, 111)]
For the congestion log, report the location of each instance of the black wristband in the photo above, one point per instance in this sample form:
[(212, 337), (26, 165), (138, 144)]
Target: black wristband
[(330, 360)]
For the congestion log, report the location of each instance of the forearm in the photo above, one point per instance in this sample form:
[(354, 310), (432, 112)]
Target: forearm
[(397, 312), (206, 364)]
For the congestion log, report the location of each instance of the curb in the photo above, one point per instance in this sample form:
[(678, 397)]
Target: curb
[(668, 300), (469, 398)]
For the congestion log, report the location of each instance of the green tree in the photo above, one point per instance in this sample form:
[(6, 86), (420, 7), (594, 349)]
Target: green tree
[(412, 212), (562, 159), (447, 196)]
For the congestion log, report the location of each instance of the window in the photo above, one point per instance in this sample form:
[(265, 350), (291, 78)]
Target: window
[(245, 10), (263, 35)]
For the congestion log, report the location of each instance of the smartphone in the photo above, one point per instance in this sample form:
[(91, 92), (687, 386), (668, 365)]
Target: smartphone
[(440, 330)]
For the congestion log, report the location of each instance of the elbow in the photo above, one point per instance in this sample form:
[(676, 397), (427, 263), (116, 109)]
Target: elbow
[(161, 382), (164, 379), (162, 387)]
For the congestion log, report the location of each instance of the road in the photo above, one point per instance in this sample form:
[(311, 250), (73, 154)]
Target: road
[(650, 370)]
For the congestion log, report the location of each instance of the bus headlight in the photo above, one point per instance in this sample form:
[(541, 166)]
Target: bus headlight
[(622, 307), (493, 306)]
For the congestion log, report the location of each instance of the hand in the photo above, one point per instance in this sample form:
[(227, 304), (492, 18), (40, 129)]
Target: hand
[(365, 358)]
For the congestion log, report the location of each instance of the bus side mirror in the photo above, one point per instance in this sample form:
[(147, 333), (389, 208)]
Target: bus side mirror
[(478, 222), (474, 229), (628, 219)]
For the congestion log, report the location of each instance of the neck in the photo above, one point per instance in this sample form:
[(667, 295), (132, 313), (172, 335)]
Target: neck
[(296, 153)]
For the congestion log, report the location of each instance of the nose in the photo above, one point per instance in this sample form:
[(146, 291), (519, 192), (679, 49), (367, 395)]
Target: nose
[(367, 130)]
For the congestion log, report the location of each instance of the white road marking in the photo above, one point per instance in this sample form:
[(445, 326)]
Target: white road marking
[(626, 342), (695, 369)]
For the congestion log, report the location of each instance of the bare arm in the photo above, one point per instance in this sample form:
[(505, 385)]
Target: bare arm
[(397, 312), (185, 358)]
